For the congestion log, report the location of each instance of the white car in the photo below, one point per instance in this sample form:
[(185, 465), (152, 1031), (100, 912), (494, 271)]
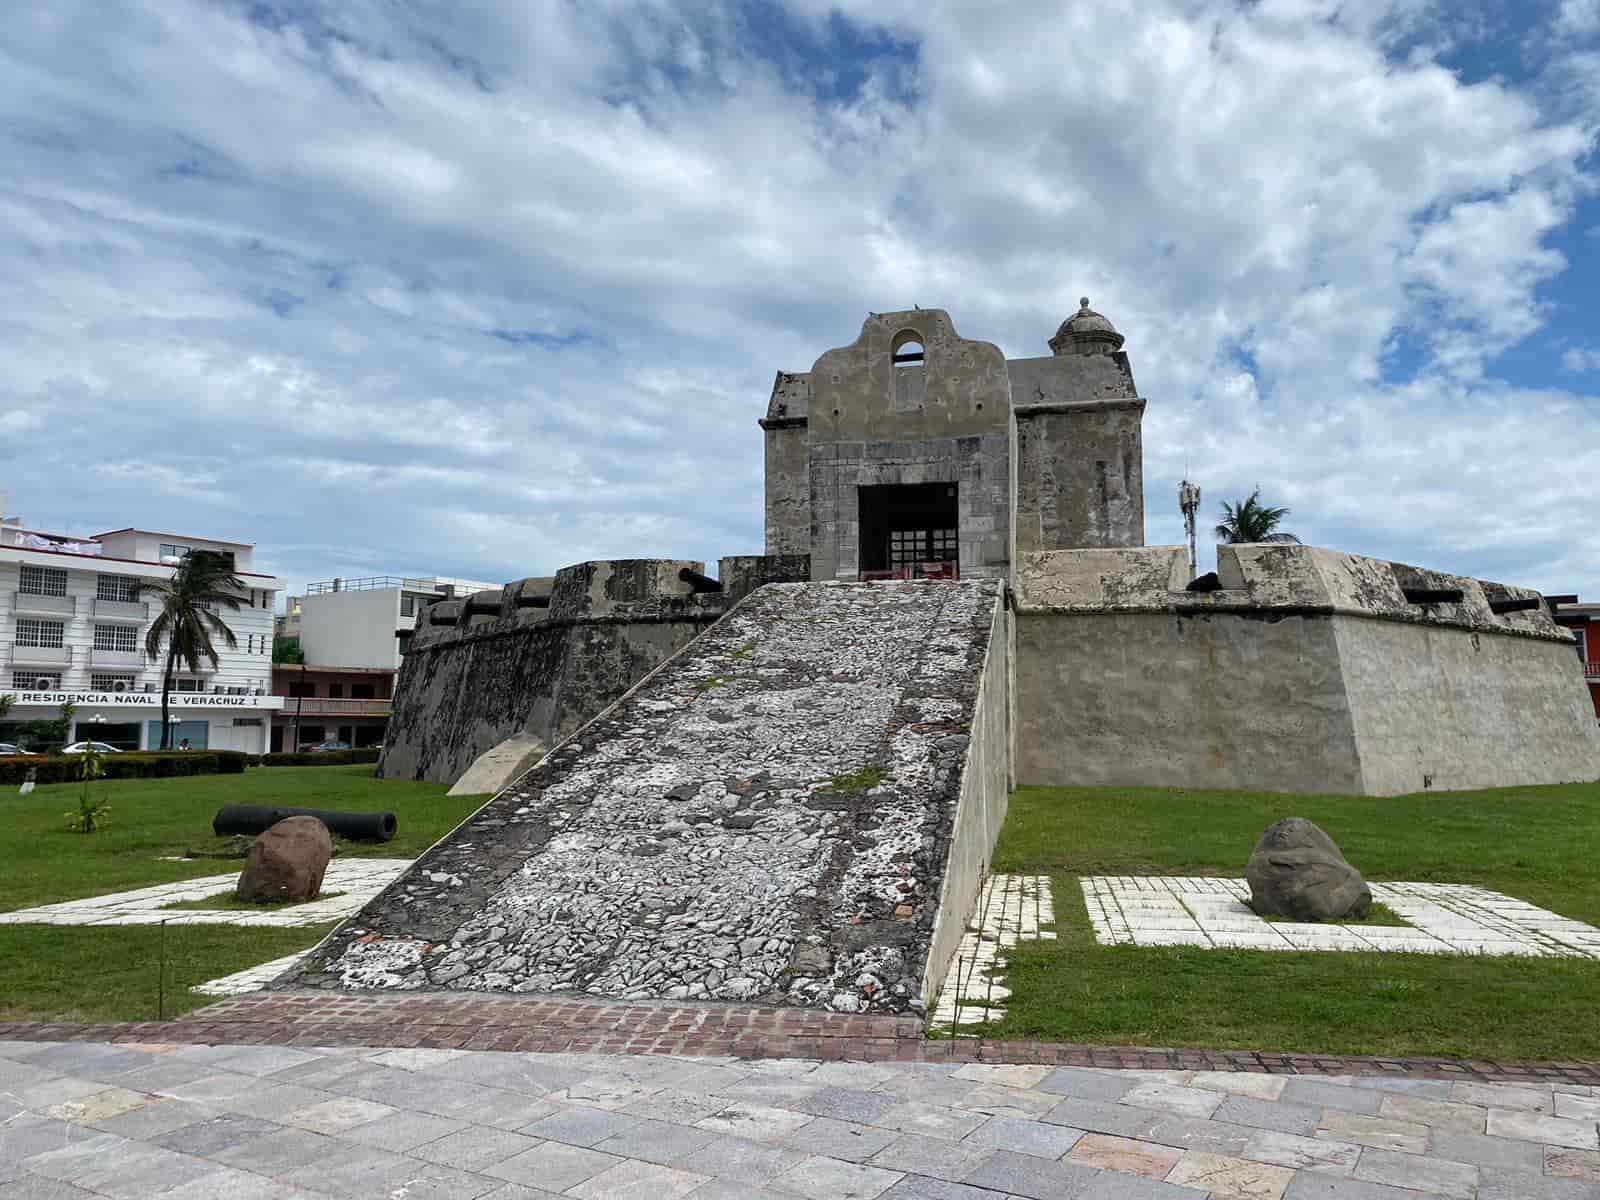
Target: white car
[(99, 747)]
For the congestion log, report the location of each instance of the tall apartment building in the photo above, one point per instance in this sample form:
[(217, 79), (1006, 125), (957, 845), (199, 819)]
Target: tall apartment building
[(75, 622), (346, 629)]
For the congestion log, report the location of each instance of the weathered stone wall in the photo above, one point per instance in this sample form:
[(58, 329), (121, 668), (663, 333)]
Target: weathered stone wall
[(977, 466), (1077, 453), (869, 422), (981, 808), (788, 481), (1308, 672), (742, 574), (480, 670), (768, 816)]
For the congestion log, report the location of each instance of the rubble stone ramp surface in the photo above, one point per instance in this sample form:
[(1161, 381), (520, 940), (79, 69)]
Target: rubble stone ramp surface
[(766, 817)]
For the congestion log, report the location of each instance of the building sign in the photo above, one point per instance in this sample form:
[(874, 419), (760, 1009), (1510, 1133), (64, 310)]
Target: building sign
[(147, 699)]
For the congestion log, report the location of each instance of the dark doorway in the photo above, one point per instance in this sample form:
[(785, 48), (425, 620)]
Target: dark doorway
[(906, 525)]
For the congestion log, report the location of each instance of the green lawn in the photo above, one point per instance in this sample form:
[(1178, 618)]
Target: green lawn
[(73, 972), (154, 818), (1538, 844)]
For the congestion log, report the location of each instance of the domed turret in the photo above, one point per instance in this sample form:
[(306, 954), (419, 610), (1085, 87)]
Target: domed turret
[(1086, 332)]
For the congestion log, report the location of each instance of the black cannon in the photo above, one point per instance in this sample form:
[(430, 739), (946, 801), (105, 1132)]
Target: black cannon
[(1434, 595), (698, 583), (258, 818)]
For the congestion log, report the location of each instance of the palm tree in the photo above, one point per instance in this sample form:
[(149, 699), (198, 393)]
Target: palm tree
[(203, 581), (1252, 521)]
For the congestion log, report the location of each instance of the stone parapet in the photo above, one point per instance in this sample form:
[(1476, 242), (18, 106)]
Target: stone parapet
[(1270, 578), (1308, 671)]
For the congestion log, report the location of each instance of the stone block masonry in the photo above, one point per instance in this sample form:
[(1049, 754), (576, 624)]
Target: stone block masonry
[(766, 817)]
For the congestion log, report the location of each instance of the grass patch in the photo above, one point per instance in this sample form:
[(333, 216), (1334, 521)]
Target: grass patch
[(152, 818), (863, 780), (228, 901), (111, 973), (1536, 844), (76, 973), (1378, 914)]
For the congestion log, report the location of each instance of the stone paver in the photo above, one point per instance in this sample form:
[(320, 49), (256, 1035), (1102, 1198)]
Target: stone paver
[(1442, 918), (314, 1122)]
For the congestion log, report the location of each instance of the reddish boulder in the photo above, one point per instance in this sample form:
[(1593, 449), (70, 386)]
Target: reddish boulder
[(287, 862)]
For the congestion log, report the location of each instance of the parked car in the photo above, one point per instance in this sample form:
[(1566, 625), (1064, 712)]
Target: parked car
[(11, 748), (330, 744), (99, 747)]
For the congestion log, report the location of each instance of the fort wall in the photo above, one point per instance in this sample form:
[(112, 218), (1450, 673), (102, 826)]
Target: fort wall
[(1309, 671)]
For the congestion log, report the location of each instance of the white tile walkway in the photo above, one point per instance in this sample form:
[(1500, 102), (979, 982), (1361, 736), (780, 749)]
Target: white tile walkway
[(358, 879), (251, 979), (1011, 908), (1444, 918)]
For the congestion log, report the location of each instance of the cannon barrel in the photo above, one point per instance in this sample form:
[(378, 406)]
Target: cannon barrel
[(1515, 604), (258, 818), (1423, 595), (698, 582)]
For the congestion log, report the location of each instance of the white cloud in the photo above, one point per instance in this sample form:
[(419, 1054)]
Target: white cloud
[(270, 259), (1581, 359)]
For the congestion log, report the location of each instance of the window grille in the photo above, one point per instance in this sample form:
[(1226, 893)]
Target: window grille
[(46, 634), (174, 551), (123, 588), (27, 681), (108, 683), (123, 638), (189, 685), (43, 581), (907, 547)]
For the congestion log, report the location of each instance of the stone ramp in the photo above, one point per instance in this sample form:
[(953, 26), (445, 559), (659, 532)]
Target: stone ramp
[(767, 817)]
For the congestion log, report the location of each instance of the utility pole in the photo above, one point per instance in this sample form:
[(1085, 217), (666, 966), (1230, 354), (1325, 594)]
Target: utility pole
[(1189, 505)]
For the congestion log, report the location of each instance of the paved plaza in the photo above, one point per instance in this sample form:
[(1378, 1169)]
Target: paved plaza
[(228, 1122), (1441, 918), (357, 880)]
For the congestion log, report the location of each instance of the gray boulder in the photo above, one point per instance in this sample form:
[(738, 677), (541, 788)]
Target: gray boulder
[(1296, 871), (287, 862)]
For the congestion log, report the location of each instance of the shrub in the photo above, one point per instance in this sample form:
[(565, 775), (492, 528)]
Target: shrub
[(327, 758), (140, 764)]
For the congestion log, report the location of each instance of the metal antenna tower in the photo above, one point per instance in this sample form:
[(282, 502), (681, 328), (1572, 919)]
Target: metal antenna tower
[(1189, 504)]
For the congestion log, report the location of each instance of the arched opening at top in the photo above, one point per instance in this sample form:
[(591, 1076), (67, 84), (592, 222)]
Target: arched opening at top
[(908, 349)]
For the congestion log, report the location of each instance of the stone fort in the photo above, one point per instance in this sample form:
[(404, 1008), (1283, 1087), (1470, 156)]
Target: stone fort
[(784, 784)]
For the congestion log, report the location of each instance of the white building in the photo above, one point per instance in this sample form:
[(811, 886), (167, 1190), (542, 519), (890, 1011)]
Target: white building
[(352, 622), (74, 627)]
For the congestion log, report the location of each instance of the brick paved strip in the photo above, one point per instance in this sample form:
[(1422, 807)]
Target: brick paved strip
[(522, 1023)]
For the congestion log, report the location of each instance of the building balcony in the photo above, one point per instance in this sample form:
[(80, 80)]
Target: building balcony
[(1591, 670), (121, 610), (121, 660), (27, 603), (315, 706), (41, 656)]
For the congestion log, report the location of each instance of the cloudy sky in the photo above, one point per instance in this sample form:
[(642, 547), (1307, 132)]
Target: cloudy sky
[(484, 288)]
